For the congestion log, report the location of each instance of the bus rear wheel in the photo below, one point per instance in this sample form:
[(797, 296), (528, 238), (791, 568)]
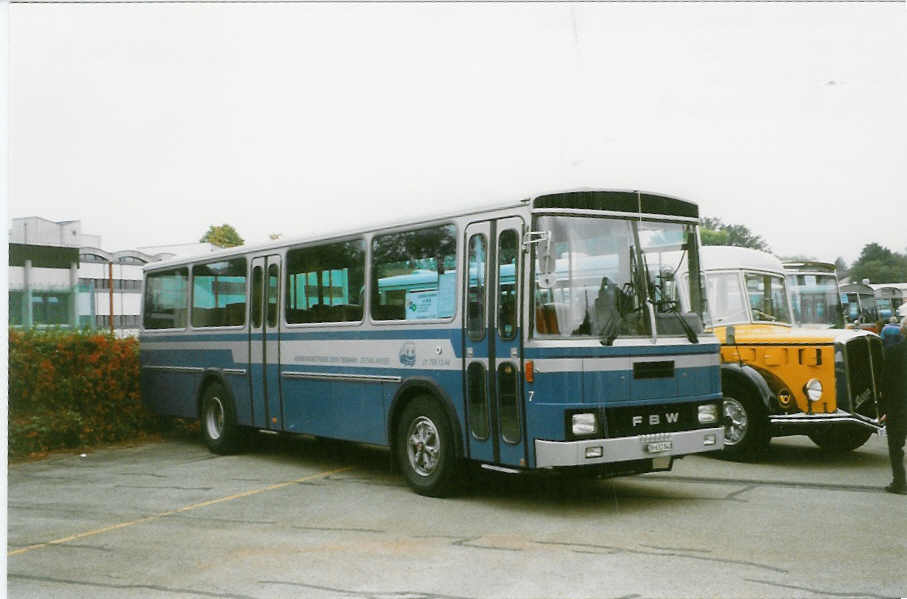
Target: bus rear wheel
[(841, 438), (218, 421), (425, 449)]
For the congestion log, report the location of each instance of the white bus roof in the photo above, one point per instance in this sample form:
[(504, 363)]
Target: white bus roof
[(726, 257), (426, 220), (809, 266), (877, 286)]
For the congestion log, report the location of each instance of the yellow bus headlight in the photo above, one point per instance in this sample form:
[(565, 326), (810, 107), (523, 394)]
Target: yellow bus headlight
[(813, 389)]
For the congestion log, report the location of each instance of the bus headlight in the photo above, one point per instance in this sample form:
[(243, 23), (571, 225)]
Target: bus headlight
[(813, 389), (708, 413), (584, 424)]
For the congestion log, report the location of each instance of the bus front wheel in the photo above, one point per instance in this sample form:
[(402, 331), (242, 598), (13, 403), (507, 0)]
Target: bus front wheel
[(746, 425), (425, 448), (218, 421)]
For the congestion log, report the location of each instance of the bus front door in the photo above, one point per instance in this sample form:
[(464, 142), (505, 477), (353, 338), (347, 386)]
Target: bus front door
[(264, 343), (494, 406)]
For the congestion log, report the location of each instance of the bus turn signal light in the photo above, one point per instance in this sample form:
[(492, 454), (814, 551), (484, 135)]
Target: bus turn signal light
[(529, 370)]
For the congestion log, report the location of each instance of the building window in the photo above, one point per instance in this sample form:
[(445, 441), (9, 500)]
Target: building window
[(93, 258), (16, 308), (50, 308)]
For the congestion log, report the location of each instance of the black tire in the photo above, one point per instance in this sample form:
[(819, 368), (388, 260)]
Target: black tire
[(425, 449), (217, 417), (841, 437), (746, 429)]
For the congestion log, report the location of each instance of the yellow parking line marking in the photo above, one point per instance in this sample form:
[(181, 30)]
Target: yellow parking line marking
[(187, 508)]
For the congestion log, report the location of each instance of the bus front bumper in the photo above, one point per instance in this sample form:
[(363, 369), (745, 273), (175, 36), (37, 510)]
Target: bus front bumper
[(554, 454), (840, 416)]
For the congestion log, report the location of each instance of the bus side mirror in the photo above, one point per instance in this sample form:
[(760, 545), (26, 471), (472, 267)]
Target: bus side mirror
[(542, 241)]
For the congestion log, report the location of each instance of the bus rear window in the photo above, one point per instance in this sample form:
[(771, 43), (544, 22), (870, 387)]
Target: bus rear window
[(166, 299), (219, 294), (414, 274)]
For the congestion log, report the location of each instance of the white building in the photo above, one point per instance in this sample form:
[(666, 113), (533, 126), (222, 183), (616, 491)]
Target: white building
[(59, 276)]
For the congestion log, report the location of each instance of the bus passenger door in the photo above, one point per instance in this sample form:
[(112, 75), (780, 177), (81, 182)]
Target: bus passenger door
[(491, 336), (264, 343), (476, 340), (506, 343)]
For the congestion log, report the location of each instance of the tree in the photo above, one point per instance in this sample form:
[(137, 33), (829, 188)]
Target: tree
[(223, 236), (880, 265), (715, 232)]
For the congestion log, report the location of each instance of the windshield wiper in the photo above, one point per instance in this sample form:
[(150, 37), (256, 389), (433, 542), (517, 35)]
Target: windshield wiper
[(691, 334), (609, 332)]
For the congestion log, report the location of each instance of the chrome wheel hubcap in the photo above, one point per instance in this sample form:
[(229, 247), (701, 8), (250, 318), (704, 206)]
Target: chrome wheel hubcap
[(423, 446), (214, 418), (736, 429)]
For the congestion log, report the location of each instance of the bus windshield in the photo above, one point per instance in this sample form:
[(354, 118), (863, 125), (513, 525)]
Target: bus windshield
[(768, 297), (816, 300), (613, 277)]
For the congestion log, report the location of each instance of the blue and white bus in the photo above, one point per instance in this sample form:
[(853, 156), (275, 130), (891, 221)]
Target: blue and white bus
[(563, 348)]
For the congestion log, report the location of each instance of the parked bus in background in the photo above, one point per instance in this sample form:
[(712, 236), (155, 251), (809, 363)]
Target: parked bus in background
[(540, 334), (814, 294), (779, 380), (860, 307), (889, 298)]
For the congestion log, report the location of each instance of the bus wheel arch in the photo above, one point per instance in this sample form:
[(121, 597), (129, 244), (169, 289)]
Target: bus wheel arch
[(408, 392), (217, 416), (746, 427), (425, 441), (424, 448)]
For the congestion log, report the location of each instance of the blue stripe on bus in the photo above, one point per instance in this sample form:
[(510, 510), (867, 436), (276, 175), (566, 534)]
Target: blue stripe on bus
[(356, 334)]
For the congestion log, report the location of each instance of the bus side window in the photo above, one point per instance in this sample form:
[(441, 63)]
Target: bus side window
[(166, 299), (257, 280), (219, 293), (475, 303), (325, 283), (414, 274), (273, 290), (507, 283)]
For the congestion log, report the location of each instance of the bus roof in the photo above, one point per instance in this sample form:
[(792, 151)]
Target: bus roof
[(614, 200), (726, 257), (810, 266), (857, 288)]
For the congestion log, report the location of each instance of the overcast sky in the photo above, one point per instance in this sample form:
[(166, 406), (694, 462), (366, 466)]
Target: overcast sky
[(150, 122)]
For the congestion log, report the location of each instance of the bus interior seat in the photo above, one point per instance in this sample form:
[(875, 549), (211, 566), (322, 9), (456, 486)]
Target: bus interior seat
[(320, 313), (389, 312), (235, 313), (546, 319), (348, 313)]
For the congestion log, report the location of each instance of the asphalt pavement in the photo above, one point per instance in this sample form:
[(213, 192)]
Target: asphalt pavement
[(305, 518)]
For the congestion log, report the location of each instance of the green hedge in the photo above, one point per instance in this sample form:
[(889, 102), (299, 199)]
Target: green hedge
[(73, 389)]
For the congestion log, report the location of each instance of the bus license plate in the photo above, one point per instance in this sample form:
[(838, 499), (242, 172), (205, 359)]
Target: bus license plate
[(659, 446)]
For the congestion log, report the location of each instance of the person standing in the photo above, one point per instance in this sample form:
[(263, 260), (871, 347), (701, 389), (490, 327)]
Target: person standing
[(894, 402), (891, 333)]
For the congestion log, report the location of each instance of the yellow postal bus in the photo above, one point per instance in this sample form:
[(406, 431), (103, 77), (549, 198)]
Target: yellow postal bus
[(779, 379)]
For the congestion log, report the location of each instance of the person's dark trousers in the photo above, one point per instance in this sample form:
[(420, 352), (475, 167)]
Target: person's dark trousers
[(896, 439)]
